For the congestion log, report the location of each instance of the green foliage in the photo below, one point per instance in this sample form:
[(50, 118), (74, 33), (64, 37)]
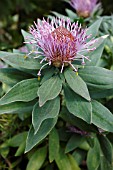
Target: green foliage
[(37, 159), (93, 29), (106, 148), (73, 143), (102, 117), (63, 161), (53, 144), (77, 84), (18, 60), (25, 90), (48, 111), (77, 105), (35, 138), (49, 90), (93, 157)]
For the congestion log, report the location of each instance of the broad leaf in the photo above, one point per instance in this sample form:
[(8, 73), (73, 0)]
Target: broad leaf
[(17, 107), (53, 145), (25, 90), (37, 159), (93, 157), (59, 15), (72, 15), (95, 55), (100, 93), (97, 42), (17, 139), (73, 143), (79, 155), (99, 87), (97, 76), (101, 116), (26, 36), (62, 160), (20, 61), (45, 128), (106, 147), (21, 149), (74, 165), (12, 76), (49, 110), (93, 29), (84, 145), (77, 84), (77, 105), (77, 122), (105, 164), (49, 90), (48, 73)]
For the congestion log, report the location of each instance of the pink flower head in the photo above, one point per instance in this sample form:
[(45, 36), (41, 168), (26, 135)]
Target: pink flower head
[(84, 8), (60, 42)]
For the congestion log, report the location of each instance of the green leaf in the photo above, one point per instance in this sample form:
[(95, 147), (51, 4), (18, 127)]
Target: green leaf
[(106, 147), (73, 120), (59, 15), (44, 130), (62, 160), (105, 164), (17, 107), (37, 159), (4, 150), (53, 145), (98, 76), (84, 145), (77, 105), (21, 149), (49, 110), (101, 116), (73, 142), (95, 55), (93, 29), (12, 76), (49, 90), (25, 90), (62, 131), (94, 87), (20, 61), (71, 14), (100, 93), (98, 41), (79, 155), (93, 157), (17, 139), (48, 73), (74, 165), (26, 35), (77, 84)]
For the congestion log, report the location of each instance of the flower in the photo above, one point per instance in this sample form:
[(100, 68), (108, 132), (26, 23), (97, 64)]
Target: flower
[(84, 8), (60, 42)]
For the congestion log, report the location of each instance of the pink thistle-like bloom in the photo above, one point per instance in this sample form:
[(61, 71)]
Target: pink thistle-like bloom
[(60, 42), (84, 8)]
